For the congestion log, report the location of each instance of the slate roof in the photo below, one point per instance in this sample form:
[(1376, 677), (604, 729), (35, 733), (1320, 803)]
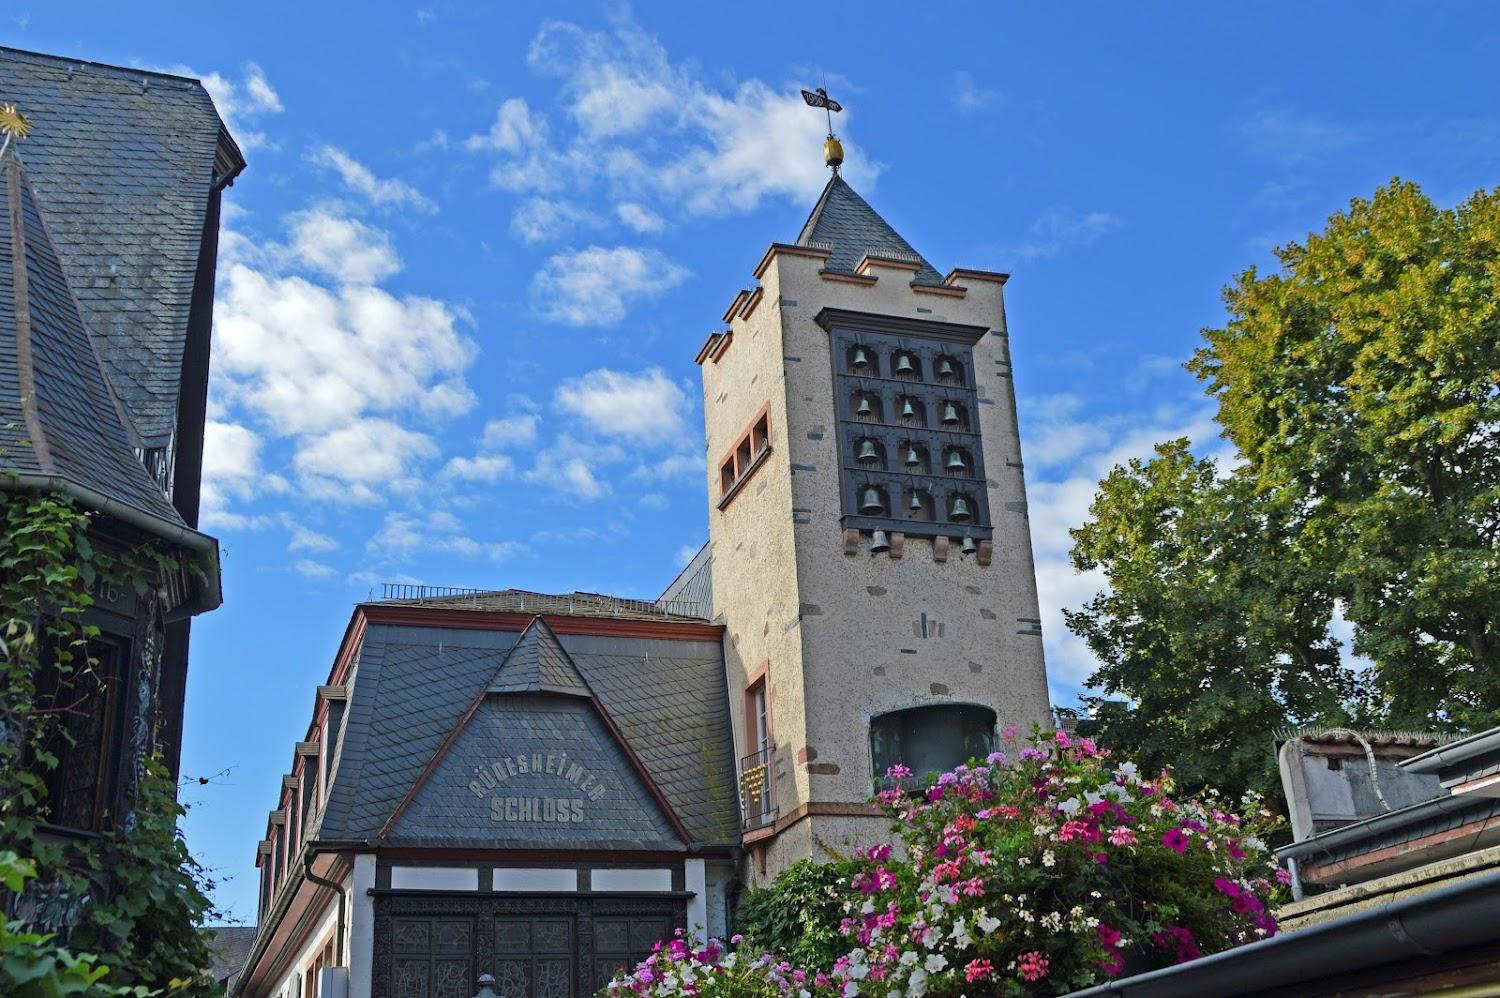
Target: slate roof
[(537, 664), (58, 417), (411, 686), (231, 946), (693, 587), (844, 223), (124, 161)]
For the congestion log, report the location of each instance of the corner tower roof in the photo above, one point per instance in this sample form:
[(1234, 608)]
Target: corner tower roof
[(845, 224)]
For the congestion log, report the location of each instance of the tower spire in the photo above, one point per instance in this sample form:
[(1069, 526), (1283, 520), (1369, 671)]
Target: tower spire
[(833, 150)]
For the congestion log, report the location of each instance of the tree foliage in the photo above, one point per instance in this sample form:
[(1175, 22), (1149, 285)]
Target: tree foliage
[(144, 929), (1360, 387), (797, 914)]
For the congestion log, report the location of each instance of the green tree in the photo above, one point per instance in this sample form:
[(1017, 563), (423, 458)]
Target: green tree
[(1362, 386), (1208, 627)]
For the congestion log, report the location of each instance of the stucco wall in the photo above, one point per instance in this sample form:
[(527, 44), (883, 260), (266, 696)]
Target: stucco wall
[(841, 633)]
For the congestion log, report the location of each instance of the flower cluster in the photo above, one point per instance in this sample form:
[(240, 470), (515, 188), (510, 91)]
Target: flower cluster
[(1043, 868), (1048, 867)]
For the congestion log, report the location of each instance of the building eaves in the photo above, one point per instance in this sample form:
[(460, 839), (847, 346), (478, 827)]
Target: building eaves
[(1455, 756), (1394, 827)]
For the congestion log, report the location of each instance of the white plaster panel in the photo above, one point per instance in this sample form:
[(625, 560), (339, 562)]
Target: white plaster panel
[(434, 878), (636, 880), (535, 879)]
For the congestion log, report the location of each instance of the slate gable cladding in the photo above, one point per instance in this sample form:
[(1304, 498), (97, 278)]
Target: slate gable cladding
[(844, 223), (411, 686), (448, 809), (124, 162)]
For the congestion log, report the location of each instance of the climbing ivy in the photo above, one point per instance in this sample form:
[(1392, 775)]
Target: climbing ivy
[(145, 929)]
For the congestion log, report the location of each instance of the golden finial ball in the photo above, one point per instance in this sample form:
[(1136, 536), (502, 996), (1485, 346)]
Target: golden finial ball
[(833, 152)]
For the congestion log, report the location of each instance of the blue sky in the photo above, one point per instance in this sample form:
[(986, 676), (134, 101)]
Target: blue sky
[(463, 279)]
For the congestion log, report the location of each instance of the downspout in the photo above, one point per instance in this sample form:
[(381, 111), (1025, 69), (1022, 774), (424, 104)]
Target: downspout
[(343, 898)]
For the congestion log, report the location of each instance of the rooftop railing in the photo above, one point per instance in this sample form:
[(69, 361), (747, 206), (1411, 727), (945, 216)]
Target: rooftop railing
[(520, 601)]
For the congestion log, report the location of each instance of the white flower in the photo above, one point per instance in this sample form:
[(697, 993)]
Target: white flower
[(1127, 771), (1093, 798), (908, 958), (868, 907), (1048, 859), (1024, 860), (916, 985), (987, 923), (858, 971), (935, 963), (1254, 843), (1070, 806), (850, 990)]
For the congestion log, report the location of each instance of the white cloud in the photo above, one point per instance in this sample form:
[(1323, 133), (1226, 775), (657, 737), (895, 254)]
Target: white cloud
[(340, 372), (305, 539), (232, 469), (402, 535), (646, 407), (481, 468), (1295, 139), (640, 218), (969, 97), (652, 129), (673, 466), (1061, 230), (539, 219), (382, 192), (569, 467), (314, 569), (511, 431), (685, 554), (345, 249), (369, 452), (593, 285)]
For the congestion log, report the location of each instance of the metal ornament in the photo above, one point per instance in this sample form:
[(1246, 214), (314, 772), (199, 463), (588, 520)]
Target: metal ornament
[(879, 542), (869, 502), (833, 151)]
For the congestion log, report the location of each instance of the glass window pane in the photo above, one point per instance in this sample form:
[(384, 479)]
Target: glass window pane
[(931, 739)]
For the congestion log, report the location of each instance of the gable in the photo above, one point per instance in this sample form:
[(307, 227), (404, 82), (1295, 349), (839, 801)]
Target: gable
[(534, 772)]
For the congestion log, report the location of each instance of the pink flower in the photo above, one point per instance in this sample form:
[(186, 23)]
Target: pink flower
[(897, 772), (1122, 837), (1233, 848), (1062, 739), (1009, 732), (1108, 935), (978, 970), (1033, 965), (1283, 875), (1174, 840)]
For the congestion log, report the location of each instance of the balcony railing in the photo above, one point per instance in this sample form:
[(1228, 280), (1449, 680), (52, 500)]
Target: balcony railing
[(758, 788)]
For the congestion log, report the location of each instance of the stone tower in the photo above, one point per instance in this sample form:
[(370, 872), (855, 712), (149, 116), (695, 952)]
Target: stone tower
[(871, 560)]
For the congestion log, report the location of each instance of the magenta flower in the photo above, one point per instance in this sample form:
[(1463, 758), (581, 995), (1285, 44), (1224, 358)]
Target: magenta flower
[(1175, 840)]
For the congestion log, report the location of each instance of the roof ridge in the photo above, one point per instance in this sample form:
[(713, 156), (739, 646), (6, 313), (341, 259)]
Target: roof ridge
[(110, 67)]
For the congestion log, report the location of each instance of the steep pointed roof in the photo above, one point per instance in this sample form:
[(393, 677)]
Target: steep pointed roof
[(844, 223), (538, 664), (126, 161), (61, 426)]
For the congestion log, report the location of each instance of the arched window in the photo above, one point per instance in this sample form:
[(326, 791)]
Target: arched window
[(931, 739)]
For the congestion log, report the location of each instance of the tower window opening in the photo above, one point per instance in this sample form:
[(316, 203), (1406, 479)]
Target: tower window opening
[(930, 739), (745, 457)]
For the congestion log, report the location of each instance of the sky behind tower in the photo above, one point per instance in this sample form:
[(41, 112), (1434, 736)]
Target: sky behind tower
[(462, 282)]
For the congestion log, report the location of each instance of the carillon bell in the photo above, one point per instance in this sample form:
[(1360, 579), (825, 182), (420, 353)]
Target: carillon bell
[(916, 505), (956, 461), (879, 542), (870, 504), (950, 414), (960, 511), (861, 359), (945, 368), (907, 409), (968, 547), (864, 408), (913, 457), (868, 453), (904, 364)]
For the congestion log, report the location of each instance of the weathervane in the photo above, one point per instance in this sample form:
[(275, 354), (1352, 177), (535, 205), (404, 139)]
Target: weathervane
[(13, 125), (833, 151)]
